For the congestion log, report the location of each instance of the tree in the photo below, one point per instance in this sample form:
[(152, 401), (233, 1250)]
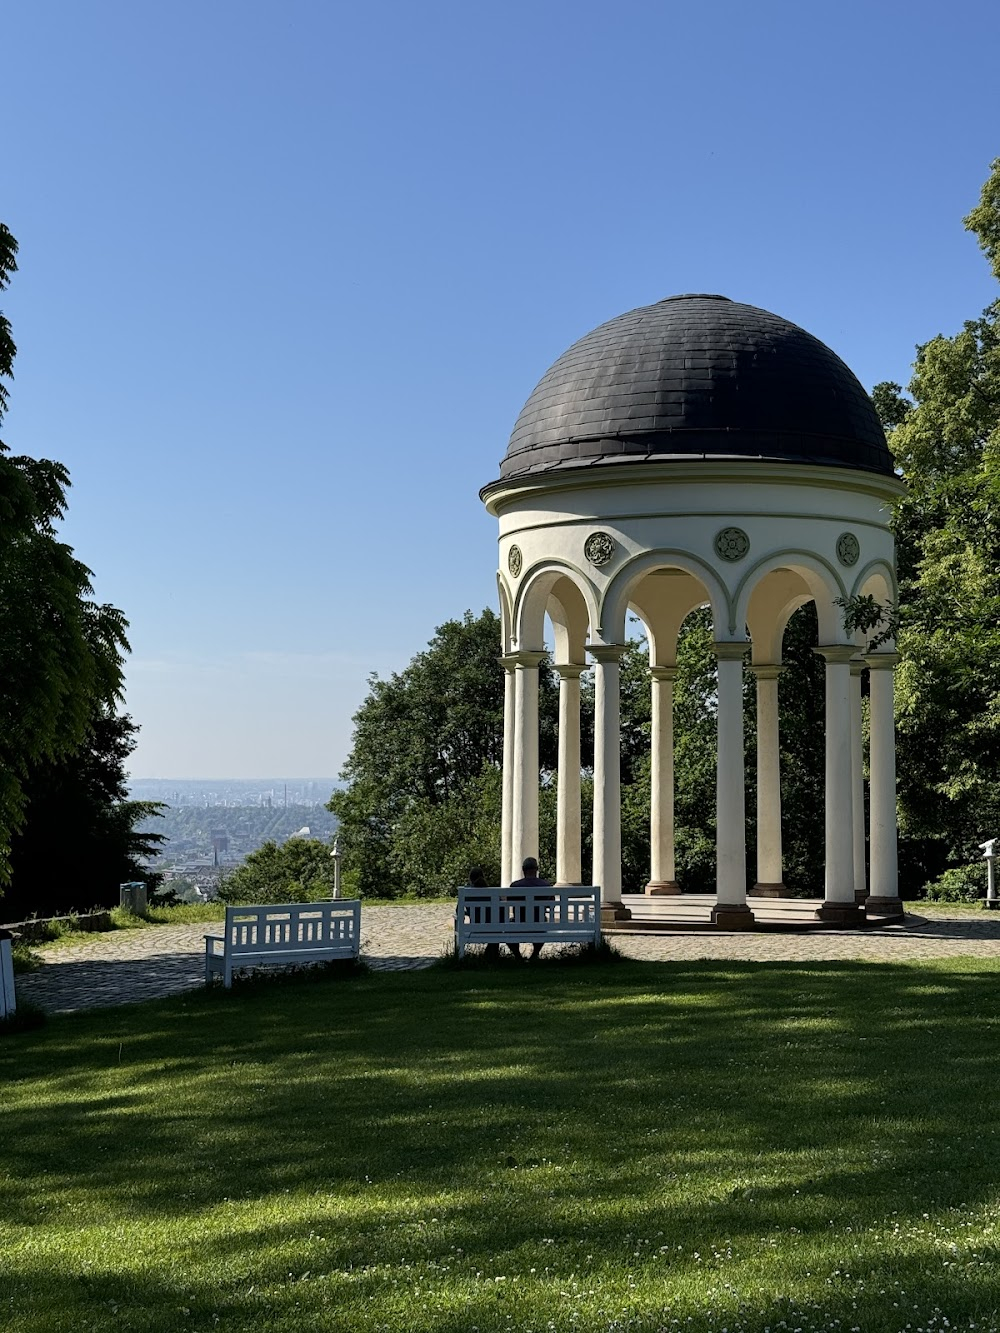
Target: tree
[(61, 654), (79, 839), (946, 440), (301, 871)]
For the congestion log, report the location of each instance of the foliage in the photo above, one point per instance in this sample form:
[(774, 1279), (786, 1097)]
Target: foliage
[(946, 442), (301, 871), (79, 841), (959, 884), (862, 612), (333, 1154)]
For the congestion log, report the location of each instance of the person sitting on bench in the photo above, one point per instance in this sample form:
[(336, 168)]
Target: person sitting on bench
[(530, 880)]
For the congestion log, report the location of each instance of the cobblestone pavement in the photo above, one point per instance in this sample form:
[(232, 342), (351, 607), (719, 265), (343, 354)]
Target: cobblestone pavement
[(126, 966)]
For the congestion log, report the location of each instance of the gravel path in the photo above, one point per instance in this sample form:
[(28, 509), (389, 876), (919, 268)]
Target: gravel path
[(126, 966)]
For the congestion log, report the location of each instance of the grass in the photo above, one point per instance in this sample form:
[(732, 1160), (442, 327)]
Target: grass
[(703, 1146), (931, 908)]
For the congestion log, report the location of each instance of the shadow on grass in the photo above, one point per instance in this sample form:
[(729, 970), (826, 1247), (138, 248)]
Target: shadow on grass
[(478, 959), (526, 1110)]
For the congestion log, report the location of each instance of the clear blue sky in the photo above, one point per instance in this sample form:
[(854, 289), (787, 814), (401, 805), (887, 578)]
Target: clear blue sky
[(288, 272)]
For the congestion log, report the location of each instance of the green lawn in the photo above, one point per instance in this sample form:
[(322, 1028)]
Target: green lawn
[(624, 1147)]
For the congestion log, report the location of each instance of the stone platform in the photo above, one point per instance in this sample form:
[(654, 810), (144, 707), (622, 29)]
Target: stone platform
[(693, 912)]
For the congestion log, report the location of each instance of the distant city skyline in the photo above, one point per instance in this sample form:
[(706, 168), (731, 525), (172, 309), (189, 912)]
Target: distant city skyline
[(288, 274)]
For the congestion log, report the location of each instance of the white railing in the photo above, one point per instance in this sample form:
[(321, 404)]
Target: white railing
[(527, 916)]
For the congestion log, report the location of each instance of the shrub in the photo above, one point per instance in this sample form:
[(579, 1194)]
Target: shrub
[(960, 884)]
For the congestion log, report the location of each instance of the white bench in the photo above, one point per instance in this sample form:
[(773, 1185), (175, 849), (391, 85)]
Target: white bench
[(527, 916), (284, 934)]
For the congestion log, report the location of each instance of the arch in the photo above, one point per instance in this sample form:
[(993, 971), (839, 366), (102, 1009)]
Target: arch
[(505, 617), (772, 603), (567, 610), (663, 610), (615, 601), (878, 578), (821, 579), (533, 596)]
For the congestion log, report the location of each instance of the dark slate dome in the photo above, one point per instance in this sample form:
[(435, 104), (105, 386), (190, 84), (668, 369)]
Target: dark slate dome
[(696, 377)]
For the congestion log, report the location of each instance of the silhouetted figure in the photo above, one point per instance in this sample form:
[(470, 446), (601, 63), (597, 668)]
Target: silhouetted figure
[(530, 880)]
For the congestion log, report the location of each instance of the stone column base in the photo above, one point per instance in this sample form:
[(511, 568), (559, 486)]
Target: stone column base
[(841, 914), (886, 909), (732, 916), (658, 887), (760, 890), (612, 912), (861, 896)]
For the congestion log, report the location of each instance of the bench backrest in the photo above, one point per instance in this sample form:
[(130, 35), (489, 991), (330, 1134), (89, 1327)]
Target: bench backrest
[(578, 908), (283, 926)]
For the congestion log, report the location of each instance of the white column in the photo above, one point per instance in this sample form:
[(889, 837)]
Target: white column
[(607, 779), (882, 786), (770, 881), (524, 835), (839, 905), (858, 785), (730, 908), (661, 796), (568, 826), (507, 808)]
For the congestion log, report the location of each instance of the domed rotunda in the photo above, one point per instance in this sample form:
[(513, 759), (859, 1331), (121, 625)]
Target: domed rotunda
[(698, 452)]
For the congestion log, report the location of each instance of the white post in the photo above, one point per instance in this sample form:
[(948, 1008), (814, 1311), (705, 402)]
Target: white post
[(839, 906), (661, 796), (770, 870), (568, 825), (858, 786), (607, 780), (509, 665), (8, 1001), (987, 848), (884, 899), (731, 910), (524, 837), (336, 867)]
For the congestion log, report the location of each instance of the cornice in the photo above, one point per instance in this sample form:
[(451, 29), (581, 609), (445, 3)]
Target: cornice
[(498, 493)]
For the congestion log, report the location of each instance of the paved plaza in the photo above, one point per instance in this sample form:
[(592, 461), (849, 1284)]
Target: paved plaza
[(126, 966)]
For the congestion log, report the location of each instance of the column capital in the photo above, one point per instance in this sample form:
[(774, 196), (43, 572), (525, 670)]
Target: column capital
[(663, 673), (606, 652), (570, 670), (767, 670), (731, 650), (836, 654), (857, 666), (527, 660), (881, 661)]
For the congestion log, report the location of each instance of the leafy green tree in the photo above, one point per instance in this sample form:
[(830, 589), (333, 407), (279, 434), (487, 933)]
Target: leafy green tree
[(946, 440), (79, 839), (301, 871), (60, 652)]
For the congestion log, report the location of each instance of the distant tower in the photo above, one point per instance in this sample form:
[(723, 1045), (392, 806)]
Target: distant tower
[(220, 842)]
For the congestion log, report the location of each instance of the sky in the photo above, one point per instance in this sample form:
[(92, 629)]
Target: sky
[(288, 272)]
